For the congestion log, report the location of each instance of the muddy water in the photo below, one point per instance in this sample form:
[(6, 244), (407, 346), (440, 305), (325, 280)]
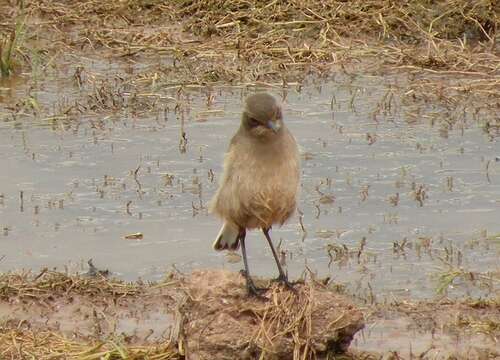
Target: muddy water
[(393, 199)]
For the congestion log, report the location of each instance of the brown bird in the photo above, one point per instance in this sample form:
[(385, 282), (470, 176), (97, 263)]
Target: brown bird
[(260, 182)]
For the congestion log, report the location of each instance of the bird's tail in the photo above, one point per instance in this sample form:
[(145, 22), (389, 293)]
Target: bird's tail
[(228, 238)]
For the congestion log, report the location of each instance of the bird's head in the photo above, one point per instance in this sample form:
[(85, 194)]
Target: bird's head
[(262, 116)]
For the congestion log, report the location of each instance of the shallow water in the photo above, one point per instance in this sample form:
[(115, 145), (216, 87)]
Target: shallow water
[(77, 176), (409, 341)]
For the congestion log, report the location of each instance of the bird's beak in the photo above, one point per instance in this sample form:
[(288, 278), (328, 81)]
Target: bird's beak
[(274, 126)]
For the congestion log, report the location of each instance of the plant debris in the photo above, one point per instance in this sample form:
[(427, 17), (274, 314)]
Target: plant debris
[(194, 316)]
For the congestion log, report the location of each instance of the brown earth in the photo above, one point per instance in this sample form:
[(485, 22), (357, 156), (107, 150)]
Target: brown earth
[(208, 315), (205, 315)]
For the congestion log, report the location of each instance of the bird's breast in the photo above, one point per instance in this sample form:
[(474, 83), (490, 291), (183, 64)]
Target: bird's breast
[(260, 182), (267, 184)]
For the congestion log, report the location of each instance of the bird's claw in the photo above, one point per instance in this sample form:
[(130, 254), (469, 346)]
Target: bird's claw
[(283, 279), (252, 289)]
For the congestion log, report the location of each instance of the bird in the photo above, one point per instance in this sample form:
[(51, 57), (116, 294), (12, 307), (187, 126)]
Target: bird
[(260, 181)]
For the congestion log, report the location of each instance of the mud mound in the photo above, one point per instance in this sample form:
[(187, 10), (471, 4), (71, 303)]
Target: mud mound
[(223, 320)]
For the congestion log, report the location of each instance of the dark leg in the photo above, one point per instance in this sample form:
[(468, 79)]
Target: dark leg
[(252, 289), (283, 278)]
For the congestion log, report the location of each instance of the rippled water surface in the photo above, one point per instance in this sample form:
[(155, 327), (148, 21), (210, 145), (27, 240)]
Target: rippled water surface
[(389, 199)]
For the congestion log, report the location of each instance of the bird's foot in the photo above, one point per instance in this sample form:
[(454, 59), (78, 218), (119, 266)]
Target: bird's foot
[(283, 279), (252, 289)]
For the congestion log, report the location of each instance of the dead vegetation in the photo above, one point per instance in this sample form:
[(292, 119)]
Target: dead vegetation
[(47, 284), (311, 324), (442, 329), (278, 41), (447, 52), (19, 342), (205, 315)]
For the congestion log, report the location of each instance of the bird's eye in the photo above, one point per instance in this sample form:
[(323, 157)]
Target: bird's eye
[(253, 123), (279, 114)]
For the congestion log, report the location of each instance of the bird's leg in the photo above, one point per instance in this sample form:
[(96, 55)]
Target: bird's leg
[(252, 289), (282, 278)]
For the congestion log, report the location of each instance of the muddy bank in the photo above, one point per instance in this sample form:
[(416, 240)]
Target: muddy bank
[(444, 329), (206, 315), (450, 47)]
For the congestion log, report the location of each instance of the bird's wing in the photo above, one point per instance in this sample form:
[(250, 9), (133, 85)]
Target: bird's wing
[(226, 201), (235, 154)]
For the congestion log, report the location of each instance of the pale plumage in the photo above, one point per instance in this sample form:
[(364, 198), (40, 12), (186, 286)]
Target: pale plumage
[(261, 176)]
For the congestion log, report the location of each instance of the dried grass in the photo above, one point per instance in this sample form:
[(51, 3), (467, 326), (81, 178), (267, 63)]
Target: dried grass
[(211, 308), (27, 285), (21, 343), (241, 41), (215, 319), (22, 338), (308, 324), (447, 52)]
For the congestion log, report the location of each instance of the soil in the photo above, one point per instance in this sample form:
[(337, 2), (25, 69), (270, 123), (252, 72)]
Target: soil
[(205, 315)]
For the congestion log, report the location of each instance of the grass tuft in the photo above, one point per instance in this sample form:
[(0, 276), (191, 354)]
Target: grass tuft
[(8, 48)]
